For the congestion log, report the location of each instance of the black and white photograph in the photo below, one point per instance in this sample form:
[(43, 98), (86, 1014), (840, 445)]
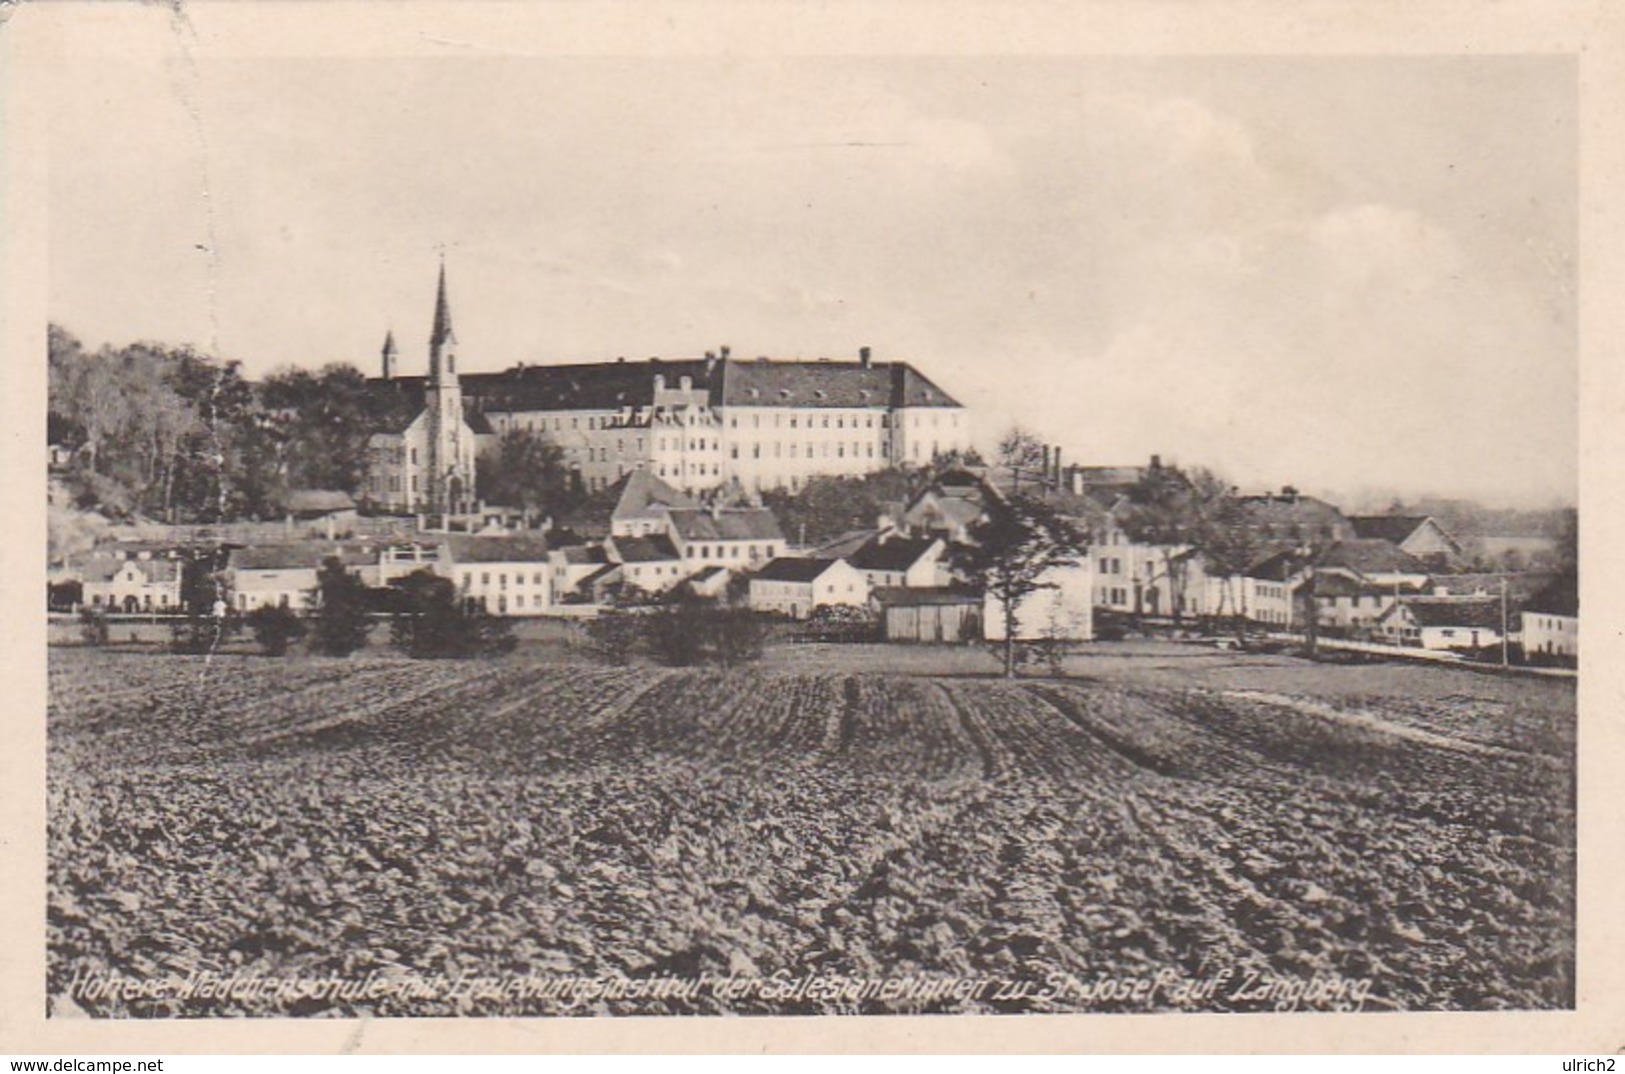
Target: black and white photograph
[(587, 534)]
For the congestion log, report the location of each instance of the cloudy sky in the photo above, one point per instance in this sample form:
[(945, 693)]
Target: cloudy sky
[(1348, 274)]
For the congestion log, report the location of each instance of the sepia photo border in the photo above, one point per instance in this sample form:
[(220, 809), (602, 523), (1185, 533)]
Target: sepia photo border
[(34, 36)]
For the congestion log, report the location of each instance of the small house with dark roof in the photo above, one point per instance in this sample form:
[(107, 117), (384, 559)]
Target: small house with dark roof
[(740, 538), (892, 561), (1442, 623), (649, 563), (794, 587)]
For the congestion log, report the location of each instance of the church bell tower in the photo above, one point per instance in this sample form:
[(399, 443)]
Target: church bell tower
[(450, 485)]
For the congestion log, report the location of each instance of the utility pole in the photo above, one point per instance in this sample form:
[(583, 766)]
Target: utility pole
[(1504, 621)]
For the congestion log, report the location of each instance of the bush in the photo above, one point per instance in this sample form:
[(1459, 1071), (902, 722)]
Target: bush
[(198, 634), (275, 628), (433, 624), (691, 632), (736, 635), (93, 626), (341, 625), (613, 637)]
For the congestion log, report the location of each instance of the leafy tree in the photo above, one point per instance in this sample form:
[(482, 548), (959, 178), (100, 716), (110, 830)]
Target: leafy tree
[(275, 628), (526, 470), (1017, 543), (432, 623), (321, 422), (1223, 532), (828, 506), (1021, 453), (341, 621)]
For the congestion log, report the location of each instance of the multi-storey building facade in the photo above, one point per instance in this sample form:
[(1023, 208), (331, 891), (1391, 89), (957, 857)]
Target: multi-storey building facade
[(703, 424)]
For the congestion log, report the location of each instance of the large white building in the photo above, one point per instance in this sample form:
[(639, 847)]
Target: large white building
[(702, 424)]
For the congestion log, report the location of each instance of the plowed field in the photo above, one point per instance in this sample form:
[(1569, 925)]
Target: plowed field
[(250, 836)]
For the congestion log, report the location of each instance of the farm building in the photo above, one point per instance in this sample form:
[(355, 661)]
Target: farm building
[(889, 560), (1442, 623), (794, 587), (711, 583), (930, 614), (1551, 620)]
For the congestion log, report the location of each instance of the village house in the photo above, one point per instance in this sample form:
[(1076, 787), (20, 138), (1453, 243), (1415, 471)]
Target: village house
[(794, 587), (142, 583), (319, 512), (742, 538), (1551, 622), (887, 560), (570, 568), (502, 575), (1442, 623), (652, 563), (286, 575)]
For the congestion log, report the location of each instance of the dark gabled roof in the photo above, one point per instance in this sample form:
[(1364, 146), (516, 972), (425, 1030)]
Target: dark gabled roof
[(1275, 567), (645, 549), (901, 597), (302, 555), (397, 402), (612, 386), (581, 554), (727, 524), (1561, 597), (606, 573), (1367, 556), (846, 544), (1340, 585), (319, 500), (1395, 528), (892, 554), (792, 569), (509, 548), (708, 573), (1454, 612)]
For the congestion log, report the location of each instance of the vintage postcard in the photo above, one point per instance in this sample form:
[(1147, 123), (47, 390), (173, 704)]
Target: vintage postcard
[(966, 527)]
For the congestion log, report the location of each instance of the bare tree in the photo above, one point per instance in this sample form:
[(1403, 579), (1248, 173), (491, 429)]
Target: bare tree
[(1020, 452)]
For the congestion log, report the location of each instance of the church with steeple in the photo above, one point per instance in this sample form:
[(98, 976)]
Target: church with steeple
[(425, 462)]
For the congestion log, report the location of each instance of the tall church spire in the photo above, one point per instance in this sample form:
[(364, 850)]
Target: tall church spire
[(442, 314), (389, 354)]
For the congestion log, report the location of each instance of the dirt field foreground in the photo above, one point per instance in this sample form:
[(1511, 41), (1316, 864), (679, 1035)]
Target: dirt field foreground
[(1161, 830)]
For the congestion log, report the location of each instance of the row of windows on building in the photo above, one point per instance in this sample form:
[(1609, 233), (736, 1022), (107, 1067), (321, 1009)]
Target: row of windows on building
[(705, 417)]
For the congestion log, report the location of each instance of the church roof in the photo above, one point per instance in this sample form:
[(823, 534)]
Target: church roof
[(441, 332)]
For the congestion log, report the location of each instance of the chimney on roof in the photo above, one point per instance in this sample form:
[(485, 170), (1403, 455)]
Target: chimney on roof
[(724, 351), (660, 382), (865, 357), (1056, 480), (1289, 493), (1043, 477), (1156, 462)]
